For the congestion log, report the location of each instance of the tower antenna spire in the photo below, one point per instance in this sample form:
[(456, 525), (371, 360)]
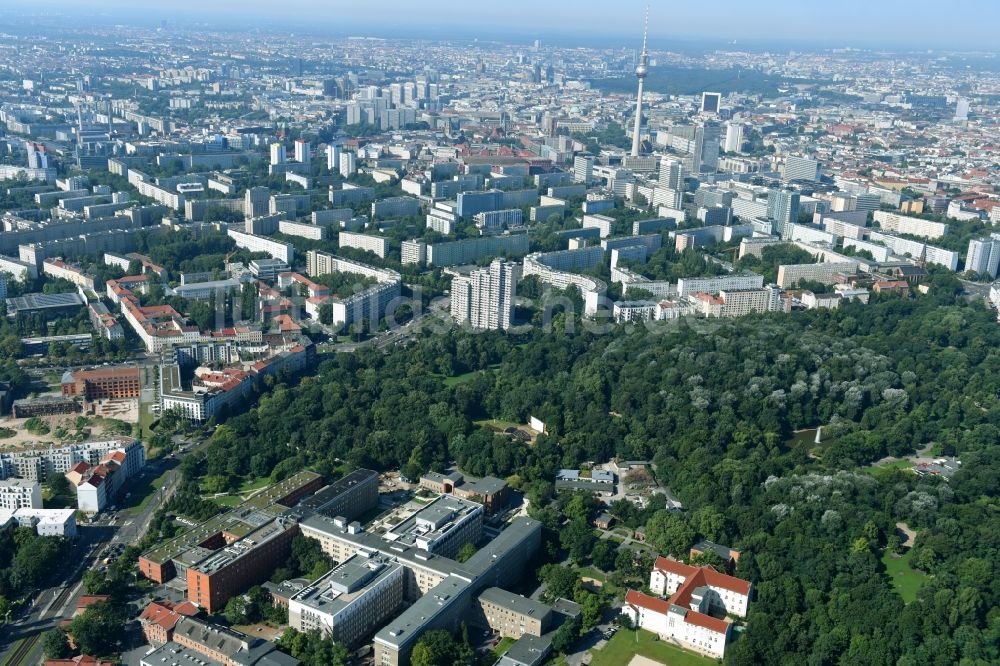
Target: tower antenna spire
[(645, 29), (640, 72)]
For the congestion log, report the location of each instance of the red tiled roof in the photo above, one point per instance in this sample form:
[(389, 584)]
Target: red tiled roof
[(166, 614), (697, 576), (716, 579), (706, 621), (81, 660), (642, 600), (673, 566), (88, 599)]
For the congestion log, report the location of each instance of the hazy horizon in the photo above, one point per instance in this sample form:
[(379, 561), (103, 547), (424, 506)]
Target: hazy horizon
[(895, 24)]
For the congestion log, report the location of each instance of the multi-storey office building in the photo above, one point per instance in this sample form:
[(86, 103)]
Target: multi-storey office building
[(351, 600)]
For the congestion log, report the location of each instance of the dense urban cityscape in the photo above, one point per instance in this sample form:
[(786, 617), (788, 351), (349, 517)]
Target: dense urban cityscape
[(395, 348)]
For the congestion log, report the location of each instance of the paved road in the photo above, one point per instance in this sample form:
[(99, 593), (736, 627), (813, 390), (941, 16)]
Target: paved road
[(19, 641), (397, 334), (979, 289), (20, 638)]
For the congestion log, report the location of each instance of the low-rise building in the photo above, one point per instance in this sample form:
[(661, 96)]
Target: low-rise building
[(596, 480), (494, 493), (222, 645), (513, 615), (694, 614), (45, 522), (159, 618)]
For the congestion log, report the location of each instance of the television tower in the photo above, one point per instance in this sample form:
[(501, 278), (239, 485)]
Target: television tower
[(640, 72)]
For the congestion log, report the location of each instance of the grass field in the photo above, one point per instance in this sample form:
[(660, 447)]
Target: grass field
[(465, 376), (146, 419), (499, 424), (143, 492), (626, 644), (591, 572), (256, 484), (875, 470), (501, 647), (905, 578)]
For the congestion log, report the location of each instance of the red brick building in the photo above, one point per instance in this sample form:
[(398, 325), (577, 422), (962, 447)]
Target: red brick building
[(160, 617), (113, 384)]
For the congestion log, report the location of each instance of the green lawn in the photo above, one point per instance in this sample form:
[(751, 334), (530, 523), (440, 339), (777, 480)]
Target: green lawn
[(501, 647), (626, 644), (455, 380), (146, 419), (142, 493), (226, 500), (875, 470), (256, 484), (591, 572), (905, 579)]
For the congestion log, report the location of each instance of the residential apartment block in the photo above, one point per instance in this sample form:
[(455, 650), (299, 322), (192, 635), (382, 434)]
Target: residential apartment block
[(45, 522), (713, 285), (553, 268), (484, 298), (20, 494), (378, 245), (913, 226), (36, 465)]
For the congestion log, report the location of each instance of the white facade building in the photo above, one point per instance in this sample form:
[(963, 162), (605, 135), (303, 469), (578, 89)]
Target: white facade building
[(277, 249), (20, 494), (694, 614), (485, 298), (378, 245), (713, 285), (46, 522), (913, 226)]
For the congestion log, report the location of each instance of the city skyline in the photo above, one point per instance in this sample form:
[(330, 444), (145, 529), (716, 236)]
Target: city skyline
[(779, 22)]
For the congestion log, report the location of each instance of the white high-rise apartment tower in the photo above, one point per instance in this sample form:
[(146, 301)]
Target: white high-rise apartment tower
[(734, 137), (671, 174), (303, 151), (485, 297), (277, 153), (583, 169), (348, 163), (333, 158)]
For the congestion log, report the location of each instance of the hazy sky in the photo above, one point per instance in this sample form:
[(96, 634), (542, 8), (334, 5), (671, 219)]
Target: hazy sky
[(911, 23)]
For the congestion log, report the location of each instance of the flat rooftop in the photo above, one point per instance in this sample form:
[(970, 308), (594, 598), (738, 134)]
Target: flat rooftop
[(515, 602), (333, 491), (31, 302), (346, 583), (223, 557), (372, 542), (433, 521), (175, 654), (254, 512), (407, 626)]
